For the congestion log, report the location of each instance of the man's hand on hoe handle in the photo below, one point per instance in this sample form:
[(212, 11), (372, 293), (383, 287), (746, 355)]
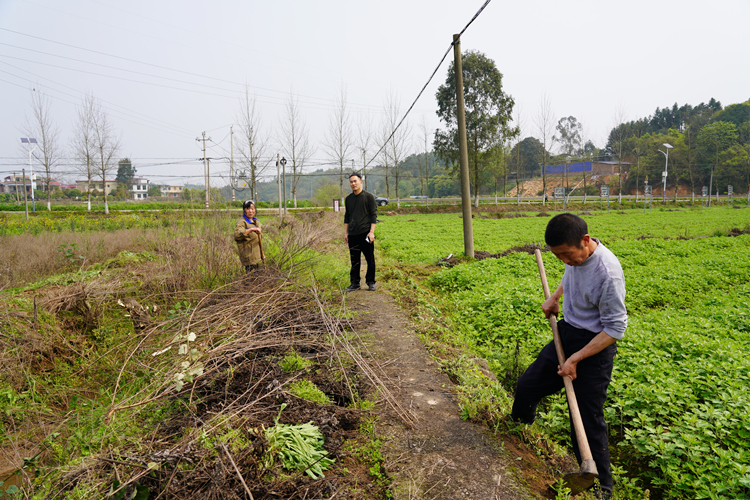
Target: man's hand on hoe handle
[(568, 369), (551, 306)]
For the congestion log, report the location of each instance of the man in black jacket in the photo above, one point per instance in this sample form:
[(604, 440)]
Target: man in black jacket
[(359, 232)]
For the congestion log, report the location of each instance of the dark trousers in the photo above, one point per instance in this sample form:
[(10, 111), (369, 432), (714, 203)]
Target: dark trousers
[(357, 247), (593, 377)]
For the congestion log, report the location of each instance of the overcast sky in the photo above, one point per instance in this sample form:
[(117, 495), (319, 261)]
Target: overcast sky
[(167, 70)]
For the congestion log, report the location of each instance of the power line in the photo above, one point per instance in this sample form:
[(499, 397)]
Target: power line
[(428, 82), (325, 100), (153, 124)]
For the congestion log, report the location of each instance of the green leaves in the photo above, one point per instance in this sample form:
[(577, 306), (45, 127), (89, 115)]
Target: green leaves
[(300, 447), (679, 403)]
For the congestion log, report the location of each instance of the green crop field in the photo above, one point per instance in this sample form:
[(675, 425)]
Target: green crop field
[(82, 222), (427, 238), (679, 403)]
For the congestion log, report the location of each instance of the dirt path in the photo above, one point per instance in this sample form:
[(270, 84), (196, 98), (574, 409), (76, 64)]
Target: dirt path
[(443, 457)]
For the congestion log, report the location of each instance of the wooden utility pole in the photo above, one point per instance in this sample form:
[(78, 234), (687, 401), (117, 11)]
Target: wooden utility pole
[(15, 183), (278, 180), (205, 166), (25, 199), (283, 181), (231, 159), (463, 153)]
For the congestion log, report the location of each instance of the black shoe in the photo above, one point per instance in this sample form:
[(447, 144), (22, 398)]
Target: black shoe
[(351, 288), (600, 493), (372, 287)]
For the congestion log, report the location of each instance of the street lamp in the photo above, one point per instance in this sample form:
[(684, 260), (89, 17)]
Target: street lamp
[(31, 140), (664, 174)]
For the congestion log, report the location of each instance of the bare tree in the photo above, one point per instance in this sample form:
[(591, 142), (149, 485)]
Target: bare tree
[(545, 124), (84, 150), (385, 134), (295, 141), (519, 177), (364, 141), (399, 138), (498, 163), (569, 137), (338, 138), (584, 138), (106, 146), (46, 134), (253, 144), (425, 163)]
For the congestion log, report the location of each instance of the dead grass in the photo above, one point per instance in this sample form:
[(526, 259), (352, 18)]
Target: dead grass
[(26, 258)]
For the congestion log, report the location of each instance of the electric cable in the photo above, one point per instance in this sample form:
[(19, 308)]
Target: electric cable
[(117, 113), (428, 82), (326, 100)]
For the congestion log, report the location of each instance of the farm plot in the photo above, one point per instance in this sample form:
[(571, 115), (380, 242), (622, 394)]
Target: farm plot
[(427, 238), (678, 406)]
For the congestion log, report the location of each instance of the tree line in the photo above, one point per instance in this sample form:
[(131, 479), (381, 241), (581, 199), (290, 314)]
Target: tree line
[(710, 146)]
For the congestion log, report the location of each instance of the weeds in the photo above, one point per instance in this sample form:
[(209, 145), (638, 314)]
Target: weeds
[(293, 362), (307, 390)]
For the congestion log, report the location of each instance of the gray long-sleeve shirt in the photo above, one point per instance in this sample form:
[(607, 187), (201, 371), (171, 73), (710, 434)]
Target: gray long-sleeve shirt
[(594, 294)]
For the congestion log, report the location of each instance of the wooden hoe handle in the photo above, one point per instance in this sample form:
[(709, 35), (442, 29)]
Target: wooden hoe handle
[(587, 461)]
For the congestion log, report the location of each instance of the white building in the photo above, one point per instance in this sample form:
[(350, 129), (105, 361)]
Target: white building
[(139, 188)]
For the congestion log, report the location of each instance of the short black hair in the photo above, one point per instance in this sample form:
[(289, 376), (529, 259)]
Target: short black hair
[(355, 174), (247, 204), (565, 229)]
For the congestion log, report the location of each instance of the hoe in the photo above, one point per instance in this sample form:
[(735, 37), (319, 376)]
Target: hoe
[(584, 478)]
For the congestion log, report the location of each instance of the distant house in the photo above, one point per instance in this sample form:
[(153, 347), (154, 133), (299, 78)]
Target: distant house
[(610, 167), (139, 188), (170, 191), (83, 186), (14, 183)]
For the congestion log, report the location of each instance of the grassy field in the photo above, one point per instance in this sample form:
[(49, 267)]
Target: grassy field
[(679, 403)]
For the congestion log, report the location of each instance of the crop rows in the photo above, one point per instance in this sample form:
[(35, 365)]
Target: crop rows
[(679, 403)]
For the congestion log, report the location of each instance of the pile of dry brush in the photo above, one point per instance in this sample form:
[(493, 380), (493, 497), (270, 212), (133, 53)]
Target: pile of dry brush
[(213, 375)]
